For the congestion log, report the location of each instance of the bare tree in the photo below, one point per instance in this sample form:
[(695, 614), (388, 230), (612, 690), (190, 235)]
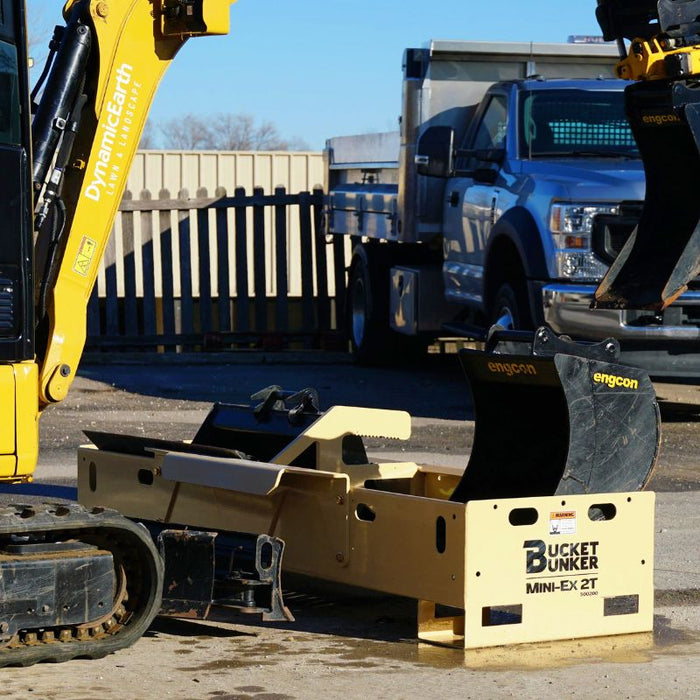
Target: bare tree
[(225, 132), (189, 133), (148, 136), (39, 32), (231, 132)]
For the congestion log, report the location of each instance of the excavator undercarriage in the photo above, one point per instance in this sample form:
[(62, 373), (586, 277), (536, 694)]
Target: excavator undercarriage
[(75, 582)]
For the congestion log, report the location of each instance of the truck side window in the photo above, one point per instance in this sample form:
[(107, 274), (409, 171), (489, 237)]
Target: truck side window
[(10, 132), (491, 132)]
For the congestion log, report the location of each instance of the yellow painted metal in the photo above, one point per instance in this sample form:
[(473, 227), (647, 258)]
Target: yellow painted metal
[(323, 520), (328, 431), (27, 393), (541, 656), (646, 60), (564, 576), (19, 434), (138, 485), (132, 55), (8, 464), (7, 425)]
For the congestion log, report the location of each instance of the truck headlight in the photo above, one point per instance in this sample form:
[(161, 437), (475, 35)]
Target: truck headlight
[(571, 226)]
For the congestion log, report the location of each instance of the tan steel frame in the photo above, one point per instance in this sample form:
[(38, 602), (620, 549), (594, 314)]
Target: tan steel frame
[(391, 528)]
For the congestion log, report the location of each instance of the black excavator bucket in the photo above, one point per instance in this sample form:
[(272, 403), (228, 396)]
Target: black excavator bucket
[(662, 255), (556, 417)]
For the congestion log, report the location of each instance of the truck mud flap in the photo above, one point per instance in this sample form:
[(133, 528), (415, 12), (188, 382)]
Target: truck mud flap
[(662, 255), (557, 417)]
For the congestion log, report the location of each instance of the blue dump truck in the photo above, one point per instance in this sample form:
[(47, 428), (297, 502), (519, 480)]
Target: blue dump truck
[(511, 186)]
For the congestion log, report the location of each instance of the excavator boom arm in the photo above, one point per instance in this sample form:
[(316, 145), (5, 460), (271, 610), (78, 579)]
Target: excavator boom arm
[(133, 45)]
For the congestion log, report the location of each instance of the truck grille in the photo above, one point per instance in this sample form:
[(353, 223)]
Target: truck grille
[(610, 232), (7, 306)]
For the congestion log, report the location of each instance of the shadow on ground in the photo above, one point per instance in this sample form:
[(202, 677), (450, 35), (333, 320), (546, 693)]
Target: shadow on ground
[(435, 389)]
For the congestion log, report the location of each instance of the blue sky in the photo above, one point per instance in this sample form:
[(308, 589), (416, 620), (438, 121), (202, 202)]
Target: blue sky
[(322, 68)]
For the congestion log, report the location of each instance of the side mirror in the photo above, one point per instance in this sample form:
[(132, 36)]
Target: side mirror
[(484, 160), (491, 155), (435, 152), (484, 155)]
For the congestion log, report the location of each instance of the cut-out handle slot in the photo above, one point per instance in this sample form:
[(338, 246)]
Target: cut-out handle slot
[(496, 615), (365, 513), (602, 511), (523, 516)]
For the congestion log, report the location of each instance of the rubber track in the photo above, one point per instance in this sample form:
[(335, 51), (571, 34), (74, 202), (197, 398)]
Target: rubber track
[(130, 545)]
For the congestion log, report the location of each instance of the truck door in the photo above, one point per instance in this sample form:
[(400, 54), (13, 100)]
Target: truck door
[(471, 205)]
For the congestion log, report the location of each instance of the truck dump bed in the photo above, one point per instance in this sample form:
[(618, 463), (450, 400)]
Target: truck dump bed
[(372, 181)]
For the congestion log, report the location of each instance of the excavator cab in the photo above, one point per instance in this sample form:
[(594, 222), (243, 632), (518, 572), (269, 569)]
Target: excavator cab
[(16, 295), (661, 257)]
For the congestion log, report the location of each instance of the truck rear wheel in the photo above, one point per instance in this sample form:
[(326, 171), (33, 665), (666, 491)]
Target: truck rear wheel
[(367, 317)]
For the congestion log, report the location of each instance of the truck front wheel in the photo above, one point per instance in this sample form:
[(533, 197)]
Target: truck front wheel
[(510, 308)]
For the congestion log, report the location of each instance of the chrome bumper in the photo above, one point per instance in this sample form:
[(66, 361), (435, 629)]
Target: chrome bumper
[(567, 310)]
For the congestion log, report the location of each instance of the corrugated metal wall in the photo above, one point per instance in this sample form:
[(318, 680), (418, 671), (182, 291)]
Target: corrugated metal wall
[(296, 171)]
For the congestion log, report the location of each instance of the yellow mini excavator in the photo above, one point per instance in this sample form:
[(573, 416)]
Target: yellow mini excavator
[(75, 582)]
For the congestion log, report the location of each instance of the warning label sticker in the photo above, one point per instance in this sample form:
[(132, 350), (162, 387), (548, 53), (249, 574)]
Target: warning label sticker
[(86, 251), (562, 522)]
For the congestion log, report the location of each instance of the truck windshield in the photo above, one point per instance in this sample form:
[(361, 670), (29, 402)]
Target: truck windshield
[(580, 123)]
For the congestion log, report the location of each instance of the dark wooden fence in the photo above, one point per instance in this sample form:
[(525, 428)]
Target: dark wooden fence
[(247, 271)]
